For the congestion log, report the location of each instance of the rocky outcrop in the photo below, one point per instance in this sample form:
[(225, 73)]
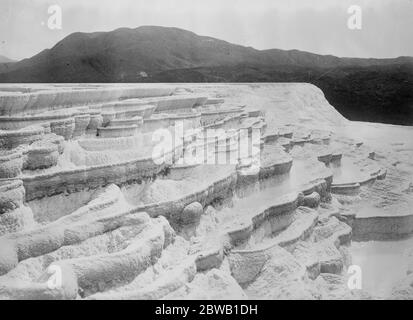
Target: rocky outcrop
[(95, 218), (312, 200), (87, 272), (81, 123), (94, 274), (130, 108), (41, 155), (15, 123), (191, 213), (274, 162), (271, 272), (345, 188), (47, 184), (14, 215), (11, 195), (205, 194), (165, 104), (117, 132), (325, 158), (108, 116), (64, 127), (263, 272), (166, 284), (10, 139), (96, 120), (215, 101), (214, 285), (282, 210), (212, 116), (51, 98), (16, 220), (11, 163)]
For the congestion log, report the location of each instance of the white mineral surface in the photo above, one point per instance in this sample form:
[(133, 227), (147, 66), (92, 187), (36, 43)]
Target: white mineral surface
[(318, 208)]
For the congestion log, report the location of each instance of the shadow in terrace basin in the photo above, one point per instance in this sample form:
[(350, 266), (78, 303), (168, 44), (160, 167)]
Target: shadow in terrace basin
[(255, 198), (383, 263), (48, 209)]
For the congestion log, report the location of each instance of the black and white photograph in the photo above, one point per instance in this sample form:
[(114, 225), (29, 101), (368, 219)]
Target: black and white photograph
[(187, 150)]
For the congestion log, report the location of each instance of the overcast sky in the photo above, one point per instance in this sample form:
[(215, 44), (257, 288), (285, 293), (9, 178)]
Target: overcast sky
[(318, 26)]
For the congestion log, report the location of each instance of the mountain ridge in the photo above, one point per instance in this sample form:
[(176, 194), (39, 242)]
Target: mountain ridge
[(4, 59), (361, 89), (121, 54)]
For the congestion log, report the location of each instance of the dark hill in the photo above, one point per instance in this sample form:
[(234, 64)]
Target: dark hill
[(361, 89)]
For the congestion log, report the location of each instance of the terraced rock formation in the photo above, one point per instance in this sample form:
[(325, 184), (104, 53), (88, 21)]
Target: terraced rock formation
[(194, 191)]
